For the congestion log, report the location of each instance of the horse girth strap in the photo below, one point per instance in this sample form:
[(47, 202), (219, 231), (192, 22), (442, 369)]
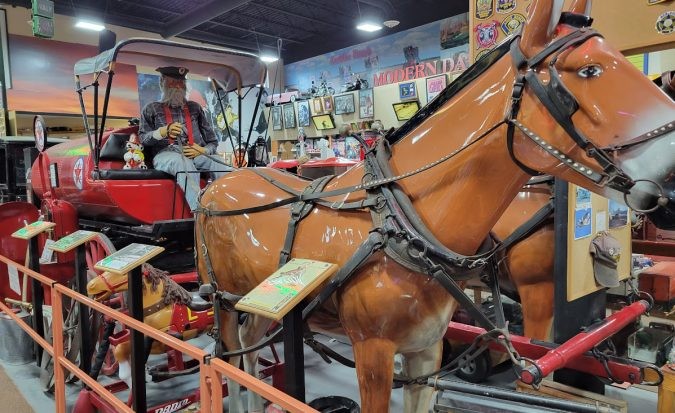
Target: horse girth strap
[(300, 210)]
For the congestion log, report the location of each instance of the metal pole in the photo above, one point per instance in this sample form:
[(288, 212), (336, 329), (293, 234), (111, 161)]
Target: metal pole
[(38, 295), (294, 356), (86, 344), (135, 295)]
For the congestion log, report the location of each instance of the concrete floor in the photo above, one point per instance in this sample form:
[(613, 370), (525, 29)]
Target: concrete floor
[(321, 380)]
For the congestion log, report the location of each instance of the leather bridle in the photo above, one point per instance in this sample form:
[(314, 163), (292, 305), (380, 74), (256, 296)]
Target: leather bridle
[(562, 104)]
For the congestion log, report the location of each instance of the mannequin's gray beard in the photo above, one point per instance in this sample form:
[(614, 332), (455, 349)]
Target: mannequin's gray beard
[(174, 97)]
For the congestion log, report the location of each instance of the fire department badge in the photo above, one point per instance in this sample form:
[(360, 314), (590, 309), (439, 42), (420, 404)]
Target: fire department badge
[(512, 23), (483, 9), (665, 22), (486, 34), (505, 6), (78, 172)]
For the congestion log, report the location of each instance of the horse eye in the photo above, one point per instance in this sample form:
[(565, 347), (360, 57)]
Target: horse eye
[(590, 71)]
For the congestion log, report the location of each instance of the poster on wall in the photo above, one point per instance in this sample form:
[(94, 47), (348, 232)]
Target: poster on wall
[(275, 112), (582, 222), (618, 214), (366, 105), (42, 78), (435, 85), (344, 104), (289, 116), (427, 50), (303, 113)]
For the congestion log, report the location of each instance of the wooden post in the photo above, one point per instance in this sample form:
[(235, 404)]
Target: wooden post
[(667, 390)]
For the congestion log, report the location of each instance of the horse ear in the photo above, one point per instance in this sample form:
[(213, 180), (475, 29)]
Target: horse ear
[(543, 18), (582, 7)]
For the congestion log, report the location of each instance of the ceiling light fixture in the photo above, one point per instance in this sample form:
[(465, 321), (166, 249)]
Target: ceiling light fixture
[(268, 58), (368, 24), (89, 26)]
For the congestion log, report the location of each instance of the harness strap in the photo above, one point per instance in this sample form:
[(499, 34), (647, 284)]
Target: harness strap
[(299, 211), (529, 226), (188, 121)]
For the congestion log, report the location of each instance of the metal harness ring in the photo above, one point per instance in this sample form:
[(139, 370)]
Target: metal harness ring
[(661, 200)]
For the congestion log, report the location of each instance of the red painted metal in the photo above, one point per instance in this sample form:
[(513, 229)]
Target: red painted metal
[(116, 200), (284, 164), (12, 217), (572, 354)]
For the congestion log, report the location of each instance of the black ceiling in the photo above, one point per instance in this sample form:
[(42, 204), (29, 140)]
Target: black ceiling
[(306, 27)]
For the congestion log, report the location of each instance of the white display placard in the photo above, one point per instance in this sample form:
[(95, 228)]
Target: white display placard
[(14, 282), (47, 256)]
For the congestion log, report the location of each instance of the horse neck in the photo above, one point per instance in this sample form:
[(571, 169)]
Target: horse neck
[(461, 199)]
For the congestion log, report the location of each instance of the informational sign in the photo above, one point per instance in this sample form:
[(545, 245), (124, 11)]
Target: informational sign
[(47, 256), (128, 258), (44, 8), (73, 240), (43, 27), (14, 282), (32, 229), (287, 286)]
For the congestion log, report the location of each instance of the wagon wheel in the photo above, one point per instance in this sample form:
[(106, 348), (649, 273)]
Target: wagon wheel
[(95, 250)]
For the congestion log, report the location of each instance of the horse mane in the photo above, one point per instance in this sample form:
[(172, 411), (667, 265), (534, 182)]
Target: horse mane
[(172, 292)]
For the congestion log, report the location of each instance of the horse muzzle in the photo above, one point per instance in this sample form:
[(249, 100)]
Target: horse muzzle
[(664, 214)]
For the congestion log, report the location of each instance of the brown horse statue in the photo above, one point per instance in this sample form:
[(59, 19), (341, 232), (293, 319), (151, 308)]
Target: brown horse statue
[(545, 102), (166, 306)]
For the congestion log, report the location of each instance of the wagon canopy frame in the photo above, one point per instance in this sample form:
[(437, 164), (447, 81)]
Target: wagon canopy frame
[(228, 70)]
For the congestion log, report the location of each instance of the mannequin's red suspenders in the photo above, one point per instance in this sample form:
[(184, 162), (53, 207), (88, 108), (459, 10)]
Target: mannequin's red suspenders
[(188, 121)]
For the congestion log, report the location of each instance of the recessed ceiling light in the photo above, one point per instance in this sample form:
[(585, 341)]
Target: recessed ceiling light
[(89, 25), (369, 26), (391, 23), (268, 58)]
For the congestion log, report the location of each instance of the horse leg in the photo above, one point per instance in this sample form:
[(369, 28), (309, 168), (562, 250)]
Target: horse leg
[(229, 324), (416, 397), (537, 302), (251, 332), (374, 359), (122, 353)]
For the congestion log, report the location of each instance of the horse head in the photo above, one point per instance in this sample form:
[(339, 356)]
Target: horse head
[(105, 285), (597, 134)]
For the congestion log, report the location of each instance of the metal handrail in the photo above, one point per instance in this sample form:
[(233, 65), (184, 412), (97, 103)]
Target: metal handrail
[(211, 370)]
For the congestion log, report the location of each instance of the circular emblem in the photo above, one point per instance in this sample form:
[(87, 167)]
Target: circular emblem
[(181, 71), (78, 172), (40, 133), (486, 34), (512, 23), (665, 22)]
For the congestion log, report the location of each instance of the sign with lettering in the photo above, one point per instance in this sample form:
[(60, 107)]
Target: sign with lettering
[(44, 8), (128, 258), (32, 229), (43, 27), (73, 240)]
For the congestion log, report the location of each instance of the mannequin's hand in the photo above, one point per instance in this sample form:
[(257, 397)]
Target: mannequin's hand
[(171, 131), (193, 151)]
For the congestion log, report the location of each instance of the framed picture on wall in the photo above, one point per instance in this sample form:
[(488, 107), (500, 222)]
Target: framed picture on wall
[(327, 103), (407, 90), (435, 85), (275, 114), (303, 113), (323, 122), (344, 104), (406, 110), (289, 116), (366, 104), (317, 106)]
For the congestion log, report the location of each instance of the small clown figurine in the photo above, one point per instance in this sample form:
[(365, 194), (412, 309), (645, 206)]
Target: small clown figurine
[(134, 157)]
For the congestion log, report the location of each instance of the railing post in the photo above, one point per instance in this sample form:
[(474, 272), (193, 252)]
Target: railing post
[(86, 344), (294, 356), (135, 281), (38, 295), (57, 345)]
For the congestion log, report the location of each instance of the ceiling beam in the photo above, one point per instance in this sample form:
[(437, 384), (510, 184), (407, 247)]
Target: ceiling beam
[(252, 31), (292, 14), (201, 14)]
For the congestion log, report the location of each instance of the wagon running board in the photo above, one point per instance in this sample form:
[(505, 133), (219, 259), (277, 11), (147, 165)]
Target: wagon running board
[(153, 232)]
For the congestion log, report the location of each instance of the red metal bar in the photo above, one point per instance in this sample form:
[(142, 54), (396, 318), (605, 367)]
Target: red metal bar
[(582, 342), (576, 358)]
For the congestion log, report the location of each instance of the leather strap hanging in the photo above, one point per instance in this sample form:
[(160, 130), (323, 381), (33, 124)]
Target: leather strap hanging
[(188, 121)]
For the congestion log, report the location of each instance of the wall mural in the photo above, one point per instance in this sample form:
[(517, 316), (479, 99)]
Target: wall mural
[(202, 92), (431, 49), (42, 78)]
